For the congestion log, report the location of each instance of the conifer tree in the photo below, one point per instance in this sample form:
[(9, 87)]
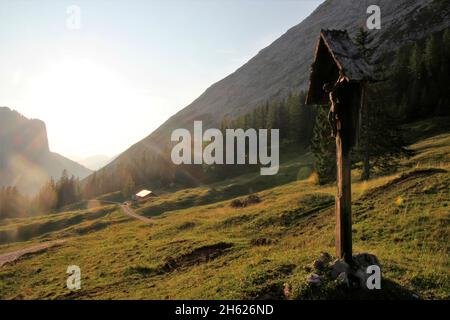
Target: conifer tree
[(365, 129), (128, 187), (379, 145), (323, 147)]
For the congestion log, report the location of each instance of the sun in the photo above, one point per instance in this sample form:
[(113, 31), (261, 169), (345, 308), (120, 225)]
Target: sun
[(79, 83), (84, 102)]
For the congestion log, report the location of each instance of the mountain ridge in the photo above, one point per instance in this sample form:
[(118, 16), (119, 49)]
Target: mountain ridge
[(25, 158), (283, 66)]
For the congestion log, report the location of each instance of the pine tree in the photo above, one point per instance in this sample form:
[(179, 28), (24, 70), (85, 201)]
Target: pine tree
[(293, 124), (128, 187), (365, 131), (323, 147), (432, 56), (47, 198), (363, 41), (379, 144), (400, 81), (12, 203), (444, 77), (416, 70)]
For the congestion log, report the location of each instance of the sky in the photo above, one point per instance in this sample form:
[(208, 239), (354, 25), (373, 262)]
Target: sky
[(103, 75)]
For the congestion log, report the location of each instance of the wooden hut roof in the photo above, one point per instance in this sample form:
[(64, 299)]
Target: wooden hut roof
[(143, 193), (336, 55)]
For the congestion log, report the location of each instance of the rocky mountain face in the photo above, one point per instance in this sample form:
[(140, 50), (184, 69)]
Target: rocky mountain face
[(25, 158), (284, 66)]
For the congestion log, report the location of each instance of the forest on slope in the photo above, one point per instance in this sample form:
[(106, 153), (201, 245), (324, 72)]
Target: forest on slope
[(392, 102), (275, 72)]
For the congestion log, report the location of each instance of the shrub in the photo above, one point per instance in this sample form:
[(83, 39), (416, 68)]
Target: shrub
[(241, 203), (237, 203), (253, 198), (313, 179)]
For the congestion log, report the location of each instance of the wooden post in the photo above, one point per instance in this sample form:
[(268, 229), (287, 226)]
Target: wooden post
[(343, 207)]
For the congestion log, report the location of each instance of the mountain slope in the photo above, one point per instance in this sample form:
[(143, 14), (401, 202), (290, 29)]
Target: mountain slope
[(25, 158), (284, 66)]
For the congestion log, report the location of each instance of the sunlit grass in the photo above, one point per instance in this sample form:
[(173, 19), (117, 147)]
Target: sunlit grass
[(406, 226)]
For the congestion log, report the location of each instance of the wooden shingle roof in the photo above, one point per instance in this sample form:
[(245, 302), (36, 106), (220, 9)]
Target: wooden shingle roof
[(347, 55), (336, 55)]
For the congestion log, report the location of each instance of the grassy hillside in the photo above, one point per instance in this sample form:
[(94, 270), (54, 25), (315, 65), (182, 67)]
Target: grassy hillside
[(18, 233), (198, 246)]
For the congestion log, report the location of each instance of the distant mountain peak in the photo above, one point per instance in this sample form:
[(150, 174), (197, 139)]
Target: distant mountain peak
[(25, 158), (95, 162)]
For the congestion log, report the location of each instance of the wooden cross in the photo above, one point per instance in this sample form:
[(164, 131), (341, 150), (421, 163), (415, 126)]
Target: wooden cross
[(339, 67)]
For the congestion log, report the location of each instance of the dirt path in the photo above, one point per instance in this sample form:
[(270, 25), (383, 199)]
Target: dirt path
[(13, 256), (128, 211)]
